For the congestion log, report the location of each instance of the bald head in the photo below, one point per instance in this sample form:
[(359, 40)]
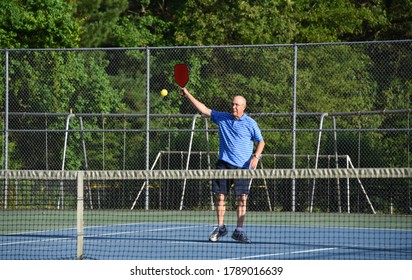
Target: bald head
[(238, 106)]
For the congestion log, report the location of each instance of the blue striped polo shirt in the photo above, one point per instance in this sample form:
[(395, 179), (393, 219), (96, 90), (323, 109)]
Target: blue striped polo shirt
[(236, 137)]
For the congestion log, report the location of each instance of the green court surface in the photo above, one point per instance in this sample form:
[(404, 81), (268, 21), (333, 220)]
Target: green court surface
[(17, 221)]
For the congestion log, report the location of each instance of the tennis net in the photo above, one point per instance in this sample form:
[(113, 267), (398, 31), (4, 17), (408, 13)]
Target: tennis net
[(341, 213)]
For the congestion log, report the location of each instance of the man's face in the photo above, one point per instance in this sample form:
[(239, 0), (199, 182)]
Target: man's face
[(238, 106)]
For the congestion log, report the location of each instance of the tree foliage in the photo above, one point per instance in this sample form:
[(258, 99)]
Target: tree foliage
[(38, 24), (126, 23), (206, 22)]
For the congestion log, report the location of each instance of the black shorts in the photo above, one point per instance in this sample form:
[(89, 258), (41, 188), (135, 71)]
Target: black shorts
[(222, 186)]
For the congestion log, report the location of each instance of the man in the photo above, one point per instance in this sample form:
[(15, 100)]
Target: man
[(237, 134)]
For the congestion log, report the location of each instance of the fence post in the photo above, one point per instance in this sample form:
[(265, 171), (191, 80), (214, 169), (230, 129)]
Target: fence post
[(6, 128), (295, 72), (80, 221), (147, 202)]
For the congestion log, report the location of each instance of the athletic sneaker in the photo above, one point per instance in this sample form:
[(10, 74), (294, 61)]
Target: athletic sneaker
[(240, 236), (217, 233)]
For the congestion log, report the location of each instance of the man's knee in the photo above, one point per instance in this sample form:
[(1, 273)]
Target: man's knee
[(242, 199), (220, 199)]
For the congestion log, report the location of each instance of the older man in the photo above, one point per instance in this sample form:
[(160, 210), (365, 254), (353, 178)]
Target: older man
[(237, 135)]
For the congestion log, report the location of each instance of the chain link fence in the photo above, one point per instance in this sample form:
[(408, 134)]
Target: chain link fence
[(340, 105)]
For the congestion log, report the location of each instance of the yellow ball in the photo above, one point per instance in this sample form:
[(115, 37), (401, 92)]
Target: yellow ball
[(163, 92)]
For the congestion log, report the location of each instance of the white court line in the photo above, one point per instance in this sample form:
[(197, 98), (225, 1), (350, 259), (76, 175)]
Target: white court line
[(35, 241), (283, 254), (92, 235), (142, 230)]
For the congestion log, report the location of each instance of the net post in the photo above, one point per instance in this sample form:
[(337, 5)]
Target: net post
[(80, 224)]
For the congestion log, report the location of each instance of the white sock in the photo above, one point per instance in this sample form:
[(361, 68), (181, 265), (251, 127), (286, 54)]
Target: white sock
[(239, 228)]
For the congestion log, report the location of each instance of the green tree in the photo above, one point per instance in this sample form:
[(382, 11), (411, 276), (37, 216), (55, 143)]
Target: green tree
[(58, 81), (399, 21), (115, 23), (121, 23), (340, 20), (212, 22), (98, 20), (37, 24)]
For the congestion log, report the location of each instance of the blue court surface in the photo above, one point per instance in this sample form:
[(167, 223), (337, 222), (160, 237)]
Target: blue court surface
[(166, 241)]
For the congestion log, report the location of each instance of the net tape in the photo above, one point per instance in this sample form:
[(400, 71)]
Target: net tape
[(208, 174)]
